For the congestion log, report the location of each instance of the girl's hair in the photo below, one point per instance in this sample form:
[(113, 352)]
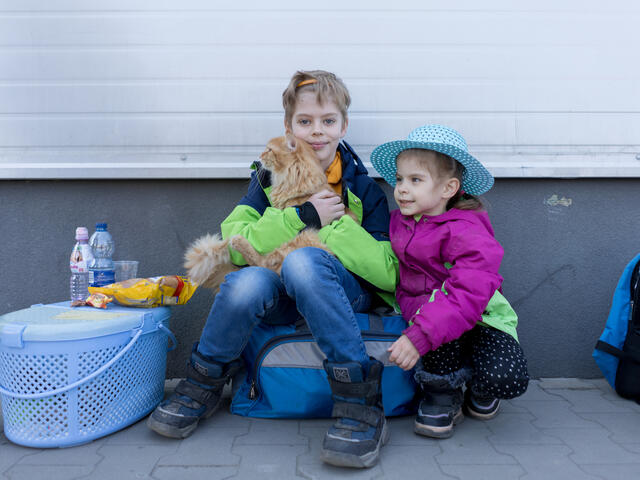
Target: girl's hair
[(445, 167), (325, 85)]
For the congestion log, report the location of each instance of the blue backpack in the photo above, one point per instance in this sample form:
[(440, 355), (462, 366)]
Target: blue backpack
[(617, 353), (285, 377)]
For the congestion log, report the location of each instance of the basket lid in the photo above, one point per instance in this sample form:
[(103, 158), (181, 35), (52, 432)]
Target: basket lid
[(58, 321)]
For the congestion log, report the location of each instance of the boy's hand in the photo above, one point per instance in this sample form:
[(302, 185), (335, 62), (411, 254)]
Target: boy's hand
[(328, 205), (403, 353)]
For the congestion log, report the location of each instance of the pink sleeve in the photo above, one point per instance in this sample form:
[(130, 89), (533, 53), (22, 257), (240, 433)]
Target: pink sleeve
[(473, 279)]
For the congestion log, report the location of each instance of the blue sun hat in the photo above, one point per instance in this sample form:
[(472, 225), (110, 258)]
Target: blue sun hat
[(476, 179)]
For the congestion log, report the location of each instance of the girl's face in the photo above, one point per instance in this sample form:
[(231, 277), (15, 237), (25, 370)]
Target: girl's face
[(417, 191), (321, 126)]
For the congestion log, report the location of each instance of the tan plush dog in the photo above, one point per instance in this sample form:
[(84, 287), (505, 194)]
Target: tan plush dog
[(295, 176)]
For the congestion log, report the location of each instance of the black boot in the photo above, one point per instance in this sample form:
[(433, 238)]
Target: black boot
[(196, 397), (361, 429), (441, 405), (479, 405)]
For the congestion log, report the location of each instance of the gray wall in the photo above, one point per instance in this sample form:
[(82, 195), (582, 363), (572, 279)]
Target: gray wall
[(566, 243)]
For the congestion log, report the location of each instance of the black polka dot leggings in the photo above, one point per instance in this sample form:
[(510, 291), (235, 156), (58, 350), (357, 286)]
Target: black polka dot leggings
[(497, 362)]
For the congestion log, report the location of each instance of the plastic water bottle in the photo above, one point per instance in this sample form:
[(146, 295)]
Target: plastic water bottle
[(81, 257), (101, 269)]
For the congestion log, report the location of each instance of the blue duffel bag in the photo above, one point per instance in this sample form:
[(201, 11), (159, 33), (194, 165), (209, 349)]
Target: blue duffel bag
[(285, 378)]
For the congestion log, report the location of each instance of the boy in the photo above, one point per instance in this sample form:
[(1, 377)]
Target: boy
[(324, 289)]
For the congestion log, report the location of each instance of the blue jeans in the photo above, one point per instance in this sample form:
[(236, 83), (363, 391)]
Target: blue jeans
[(312, 283)]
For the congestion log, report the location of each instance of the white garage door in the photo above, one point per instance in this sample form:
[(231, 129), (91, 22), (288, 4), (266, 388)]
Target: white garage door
[(192, 88)]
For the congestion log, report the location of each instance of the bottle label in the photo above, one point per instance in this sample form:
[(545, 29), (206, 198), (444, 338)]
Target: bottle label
[(81, 257), (100, 278)]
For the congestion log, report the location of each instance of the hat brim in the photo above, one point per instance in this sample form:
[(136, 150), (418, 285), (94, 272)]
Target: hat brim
[(476, 179)]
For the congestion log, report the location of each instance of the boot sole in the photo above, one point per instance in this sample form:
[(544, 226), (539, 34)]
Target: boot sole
[(171, 431), (481, 416), (438, 432), (340, 459)]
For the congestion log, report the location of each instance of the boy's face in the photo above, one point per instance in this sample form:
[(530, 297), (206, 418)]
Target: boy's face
[(417, 191), (321, 126)]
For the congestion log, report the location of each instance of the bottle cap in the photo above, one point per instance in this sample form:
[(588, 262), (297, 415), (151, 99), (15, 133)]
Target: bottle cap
[(82, 233), (101, 226)]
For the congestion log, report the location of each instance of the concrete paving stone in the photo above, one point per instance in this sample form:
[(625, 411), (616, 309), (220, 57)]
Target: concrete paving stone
[(405, 461), (565, 384), (128, 461), (272, 432), (86, 454), (613, 397), (137, 434), (314, 437), (469, 446), (10, 453), (484, 472), (631, 447), (545, 462), (613, 472), (224, 418), (583, 401), (593, 446), (205, 448), (623, 426), (517, 429), (557, 414), (193, 473), (600, 383), (60, 472), (401, 429), (317, 423), (507, 406), (534, 393), (632, 406), (274, 461)]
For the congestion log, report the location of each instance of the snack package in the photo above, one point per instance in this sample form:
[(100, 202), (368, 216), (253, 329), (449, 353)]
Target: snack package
[(98, 300), (149, 292)]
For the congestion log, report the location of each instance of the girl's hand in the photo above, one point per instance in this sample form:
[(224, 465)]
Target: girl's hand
[(403, 353)]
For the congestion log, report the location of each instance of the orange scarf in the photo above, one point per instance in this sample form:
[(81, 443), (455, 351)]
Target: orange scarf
[(334, 174)]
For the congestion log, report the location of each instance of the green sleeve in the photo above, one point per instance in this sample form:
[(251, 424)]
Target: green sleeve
[(362, 254), (264, 232)]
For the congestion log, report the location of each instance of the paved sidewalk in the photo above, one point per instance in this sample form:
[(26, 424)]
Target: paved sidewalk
[(560, 429)]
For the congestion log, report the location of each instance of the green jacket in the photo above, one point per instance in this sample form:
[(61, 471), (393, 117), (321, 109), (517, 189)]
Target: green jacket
[(364, 249)]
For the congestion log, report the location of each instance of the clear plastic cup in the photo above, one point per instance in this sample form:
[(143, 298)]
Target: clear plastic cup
[(125, 269)]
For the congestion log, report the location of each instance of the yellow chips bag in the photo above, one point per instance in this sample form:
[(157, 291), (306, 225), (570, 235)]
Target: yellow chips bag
[(150, 292)]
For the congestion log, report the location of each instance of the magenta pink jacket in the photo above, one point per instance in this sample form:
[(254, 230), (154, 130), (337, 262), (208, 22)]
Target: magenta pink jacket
[(461, 238)]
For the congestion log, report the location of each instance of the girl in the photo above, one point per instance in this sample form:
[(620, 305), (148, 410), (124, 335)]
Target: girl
[(461, 328)]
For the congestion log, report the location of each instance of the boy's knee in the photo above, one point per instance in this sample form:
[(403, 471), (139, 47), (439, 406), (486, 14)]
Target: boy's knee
[(301, 265), (249, 285)]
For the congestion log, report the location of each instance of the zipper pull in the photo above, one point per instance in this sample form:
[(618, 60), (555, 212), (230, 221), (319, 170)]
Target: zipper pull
[(253, 391)]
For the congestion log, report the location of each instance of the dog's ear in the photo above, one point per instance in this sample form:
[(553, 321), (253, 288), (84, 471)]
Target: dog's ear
[(291, 142)]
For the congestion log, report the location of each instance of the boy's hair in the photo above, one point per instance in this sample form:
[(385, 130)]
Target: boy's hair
[(442, 168), (325, 85)]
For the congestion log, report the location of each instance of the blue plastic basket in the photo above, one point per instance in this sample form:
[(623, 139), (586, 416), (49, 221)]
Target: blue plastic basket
[(69, 376)]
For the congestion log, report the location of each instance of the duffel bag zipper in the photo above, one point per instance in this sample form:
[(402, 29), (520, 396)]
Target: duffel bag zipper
[(254, 390)]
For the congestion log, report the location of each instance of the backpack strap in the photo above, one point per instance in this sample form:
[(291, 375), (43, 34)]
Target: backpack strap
[(610, 349), (631, 355)]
